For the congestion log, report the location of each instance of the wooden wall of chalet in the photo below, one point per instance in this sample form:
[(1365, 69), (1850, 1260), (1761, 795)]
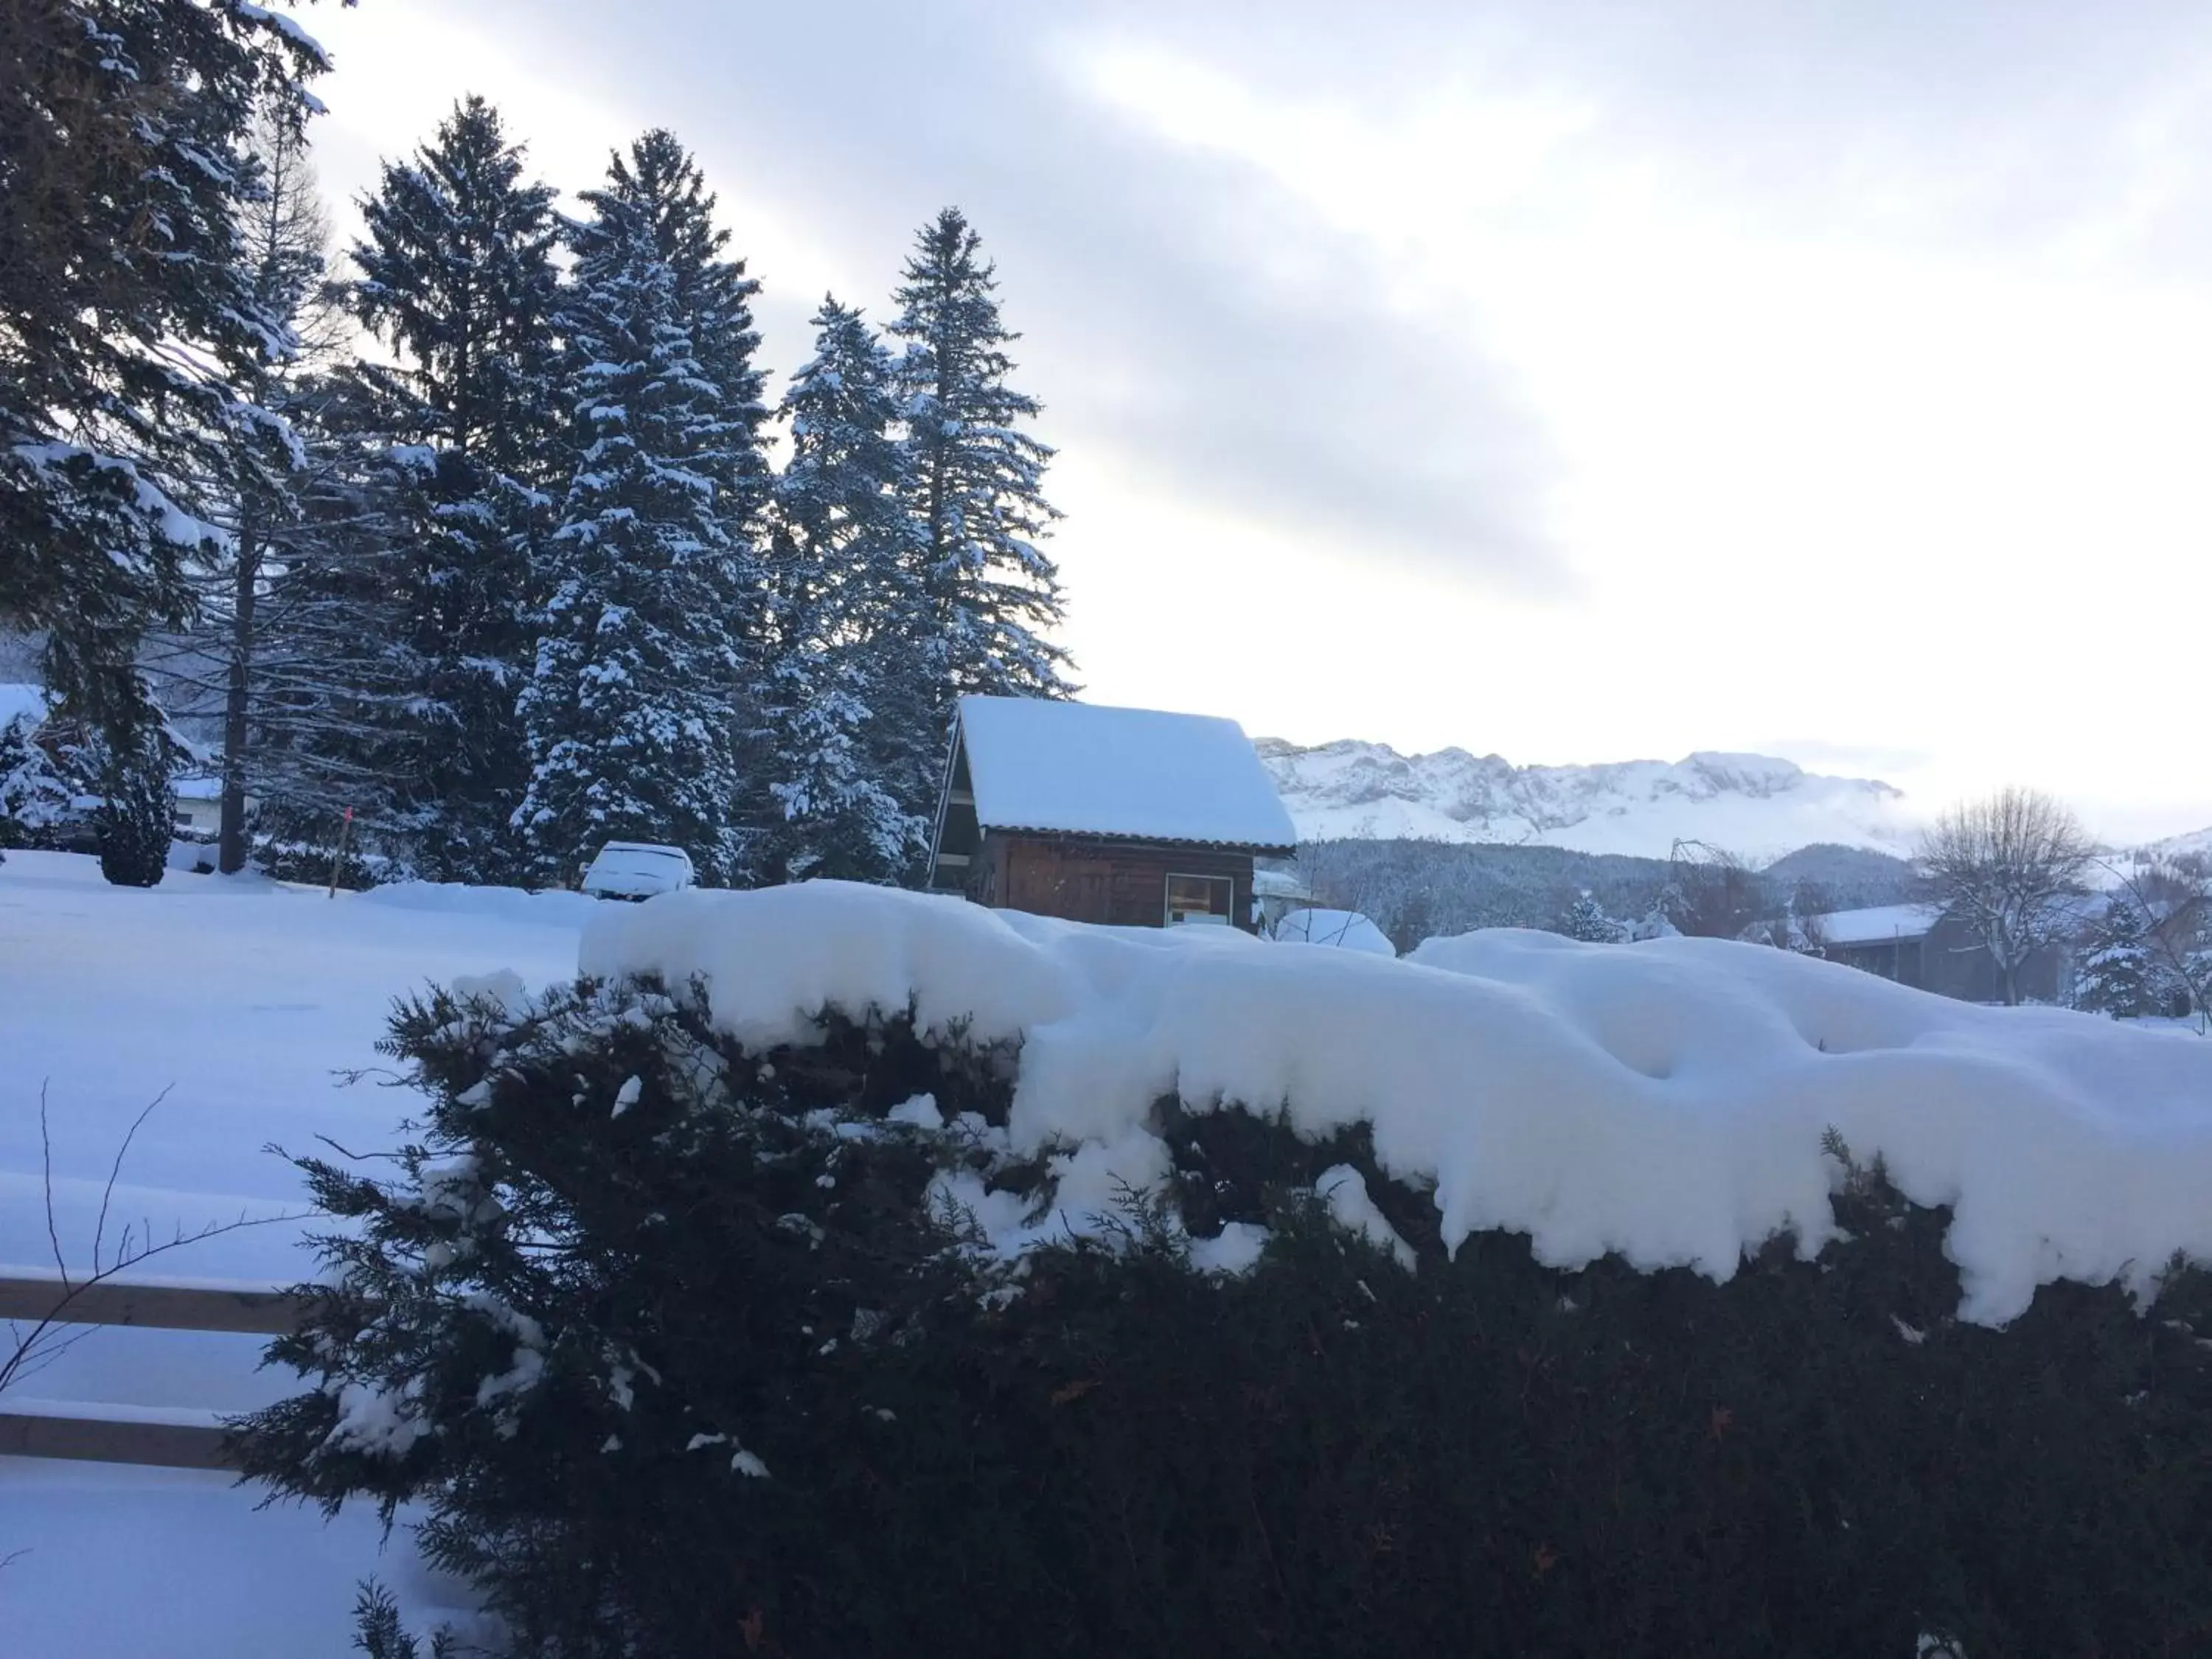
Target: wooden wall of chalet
[(1084, 878)]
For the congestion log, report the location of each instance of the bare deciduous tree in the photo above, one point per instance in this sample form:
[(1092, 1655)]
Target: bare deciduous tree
[(1710, 893), (2007, 866)]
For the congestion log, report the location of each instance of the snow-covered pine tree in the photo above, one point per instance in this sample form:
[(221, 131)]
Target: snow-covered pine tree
[(636, 711), (1586, 920), (976, 482), (2119, 972), (456, 277), (848, 737), (659, 182), (128, 331), (35, 797), (838, 821)]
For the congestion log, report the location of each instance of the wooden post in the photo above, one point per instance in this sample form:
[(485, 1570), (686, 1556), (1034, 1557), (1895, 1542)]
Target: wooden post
[(345, 834)]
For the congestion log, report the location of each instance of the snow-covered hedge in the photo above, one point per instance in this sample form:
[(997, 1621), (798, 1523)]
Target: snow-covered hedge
[(1665, 1102), (879, 1274)]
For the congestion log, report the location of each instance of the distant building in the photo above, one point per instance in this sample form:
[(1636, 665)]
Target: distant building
[(1132, 817), (199, 805), (1276, 890), (1929, 948)]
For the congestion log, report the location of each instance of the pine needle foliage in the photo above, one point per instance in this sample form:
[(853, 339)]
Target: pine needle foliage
[(681, 1357)]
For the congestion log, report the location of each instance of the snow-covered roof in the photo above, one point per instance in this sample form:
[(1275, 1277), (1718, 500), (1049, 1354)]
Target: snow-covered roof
[(1880, 922), (198, 789), (1082, 768)]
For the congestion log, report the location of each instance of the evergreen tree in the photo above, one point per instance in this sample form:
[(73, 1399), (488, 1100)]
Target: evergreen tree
[(35, 797), (660, 185), (849, 745), (136, 816), (635, 709), (976, 482), (1585, 919), (2118, 973), (127, 326), (456, 277)]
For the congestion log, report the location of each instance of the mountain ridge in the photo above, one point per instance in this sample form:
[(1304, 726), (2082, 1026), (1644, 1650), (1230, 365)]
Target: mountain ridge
[(1756, 805)]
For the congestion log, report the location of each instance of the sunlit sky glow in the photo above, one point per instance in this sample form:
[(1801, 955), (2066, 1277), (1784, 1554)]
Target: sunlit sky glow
[(1575, 382)]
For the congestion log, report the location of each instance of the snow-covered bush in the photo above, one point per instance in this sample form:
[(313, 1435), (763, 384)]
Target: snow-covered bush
[(692, 1347)]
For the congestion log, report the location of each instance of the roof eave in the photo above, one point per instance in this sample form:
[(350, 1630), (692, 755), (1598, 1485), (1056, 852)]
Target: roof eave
[(1276, 849)]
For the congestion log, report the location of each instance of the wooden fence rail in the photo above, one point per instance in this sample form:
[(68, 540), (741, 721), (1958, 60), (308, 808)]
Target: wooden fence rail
[(113, 1440), (144, 1439), (249, 1311)]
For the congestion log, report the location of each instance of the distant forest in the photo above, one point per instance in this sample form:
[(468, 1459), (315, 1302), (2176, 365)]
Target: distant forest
[(1417, 889)]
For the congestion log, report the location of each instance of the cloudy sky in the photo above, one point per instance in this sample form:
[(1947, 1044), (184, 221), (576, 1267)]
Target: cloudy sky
[(1573, 381)]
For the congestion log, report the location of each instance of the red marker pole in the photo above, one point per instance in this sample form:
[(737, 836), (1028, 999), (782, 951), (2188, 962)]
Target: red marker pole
[(345, 834)]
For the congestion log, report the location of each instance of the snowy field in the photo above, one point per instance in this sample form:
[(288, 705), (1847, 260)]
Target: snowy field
[(242, 1000), (1663, 1100)]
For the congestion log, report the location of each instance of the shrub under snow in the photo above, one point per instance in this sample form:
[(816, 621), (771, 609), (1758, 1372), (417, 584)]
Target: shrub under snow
[(842, 1271), (1666, 1102)]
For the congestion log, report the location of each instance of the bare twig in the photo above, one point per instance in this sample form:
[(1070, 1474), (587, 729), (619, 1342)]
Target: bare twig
[(46, 1161), (115, 1170), (27, 1354)]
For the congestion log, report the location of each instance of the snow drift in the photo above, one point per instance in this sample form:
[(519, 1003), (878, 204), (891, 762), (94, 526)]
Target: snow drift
[(1665, 1101), (552, 907)]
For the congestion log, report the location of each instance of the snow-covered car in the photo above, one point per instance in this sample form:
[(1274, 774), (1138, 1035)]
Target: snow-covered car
[(638, 870)]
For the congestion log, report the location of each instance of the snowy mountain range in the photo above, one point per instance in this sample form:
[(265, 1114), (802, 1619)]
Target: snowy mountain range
[(1754, 806)]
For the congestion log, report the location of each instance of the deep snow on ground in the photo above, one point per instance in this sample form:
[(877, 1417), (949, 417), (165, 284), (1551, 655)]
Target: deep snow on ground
[(120, 1563), (1663, 1099), (243, 998)]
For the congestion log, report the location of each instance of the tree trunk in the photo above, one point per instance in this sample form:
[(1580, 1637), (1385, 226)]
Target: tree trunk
[(230, 849)]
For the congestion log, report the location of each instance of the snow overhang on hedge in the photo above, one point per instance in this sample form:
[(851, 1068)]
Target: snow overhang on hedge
[(1665, 1101)]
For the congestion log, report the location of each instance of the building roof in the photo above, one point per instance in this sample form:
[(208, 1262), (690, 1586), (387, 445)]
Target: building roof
[(1080, 768), (1880, 923)]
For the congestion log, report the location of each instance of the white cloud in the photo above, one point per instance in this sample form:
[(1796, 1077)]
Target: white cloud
[(1670, 381)]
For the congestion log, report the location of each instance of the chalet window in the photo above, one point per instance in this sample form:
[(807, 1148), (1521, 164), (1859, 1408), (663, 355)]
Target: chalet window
[(1200, 898)]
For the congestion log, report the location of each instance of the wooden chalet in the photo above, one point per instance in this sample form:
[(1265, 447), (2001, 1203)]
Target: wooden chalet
[(1130, 816)]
